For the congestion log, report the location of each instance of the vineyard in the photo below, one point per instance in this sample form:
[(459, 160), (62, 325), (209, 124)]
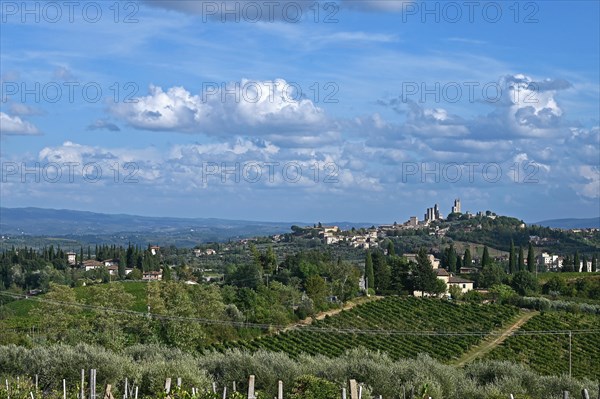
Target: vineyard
[(549, 353), (400, 327)]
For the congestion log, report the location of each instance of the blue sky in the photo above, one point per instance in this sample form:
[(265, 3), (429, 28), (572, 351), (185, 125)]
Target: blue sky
[(397, 104)]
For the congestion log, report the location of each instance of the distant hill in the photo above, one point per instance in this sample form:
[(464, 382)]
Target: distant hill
[(100, 227), (571, 223)]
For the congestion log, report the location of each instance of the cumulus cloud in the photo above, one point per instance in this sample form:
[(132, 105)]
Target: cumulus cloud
[(75, 153), (532, 104), (253, 108), (587, 183), (115, 164), (522, 107), (14, 125)]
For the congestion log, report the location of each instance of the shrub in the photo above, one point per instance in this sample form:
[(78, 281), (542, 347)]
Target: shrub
[(311, 387)]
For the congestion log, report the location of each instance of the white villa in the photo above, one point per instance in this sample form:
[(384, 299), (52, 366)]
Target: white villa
[(442, 274)]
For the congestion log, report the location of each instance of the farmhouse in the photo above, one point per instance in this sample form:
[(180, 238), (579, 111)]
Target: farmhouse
[(413, 258), (91, 264), (450, 280), (462, 283)]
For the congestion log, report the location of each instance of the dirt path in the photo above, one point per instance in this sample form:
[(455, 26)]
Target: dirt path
[(320, 316), (493, 340)]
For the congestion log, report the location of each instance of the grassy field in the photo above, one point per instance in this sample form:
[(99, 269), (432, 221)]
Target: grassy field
[(18, 314), (570, 276)]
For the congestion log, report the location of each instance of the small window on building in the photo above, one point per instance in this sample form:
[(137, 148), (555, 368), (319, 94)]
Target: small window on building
[(464, 286)]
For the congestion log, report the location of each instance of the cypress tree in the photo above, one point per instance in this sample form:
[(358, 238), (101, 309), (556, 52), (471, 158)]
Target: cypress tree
[(512, 262), (369, 273), (391, 251), (452, 259), (485, 259), (531, 259), (521, 259), (467, 259)]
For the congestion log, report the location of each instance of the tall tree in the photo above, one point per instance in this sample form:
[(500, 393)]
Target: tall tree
[(485, 258), (451, 259), (531, 258), (521, 259), (391, 251), (269, 260), (567, 265), (316, 289), (122, 272), (401, 276), (167, 274), (467, 259), (491, 275), (524, 283), (595, 263), (424, 277), (129, 257), (369, 274), (576, 262), (382, 272), (512, 262)]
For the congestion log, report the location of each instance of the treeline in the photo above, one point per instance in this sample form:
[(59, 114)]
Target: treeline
[(502, 231), (147, 366), (24, 269)]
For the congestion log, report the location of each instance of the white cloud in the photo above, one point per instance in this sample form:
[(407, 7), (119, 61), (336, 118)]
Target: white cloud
[(175, 109), (591, 189), (253, 108), (72, 152), (14, 125)]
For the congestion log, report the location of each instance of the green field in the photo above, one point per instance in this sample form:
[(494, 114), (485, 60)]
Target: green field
[(17, 314), (395, 319), (549, 354)]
